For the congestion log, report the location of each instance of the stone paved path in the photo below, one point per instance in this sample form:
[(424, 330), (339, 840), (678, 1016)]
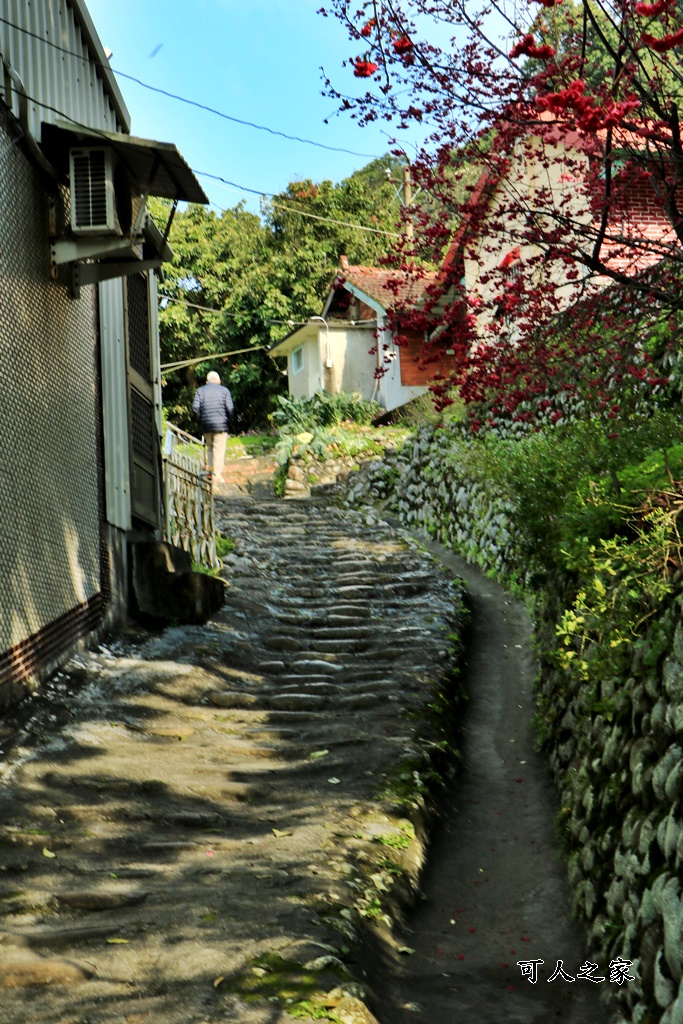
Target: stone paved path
[(198, 836)]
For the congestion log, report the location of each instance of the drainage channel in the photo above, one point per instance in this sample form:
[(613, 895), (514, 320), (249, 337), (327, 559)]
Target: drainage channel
[(495, 893)]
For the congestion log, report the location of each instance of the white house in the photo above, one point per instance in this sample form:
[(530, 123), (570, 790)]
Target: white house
[(350, 347)]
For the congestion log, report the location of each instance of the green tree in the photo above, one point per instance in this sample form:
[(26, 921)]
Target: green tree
[(215, 298), (240, 281)]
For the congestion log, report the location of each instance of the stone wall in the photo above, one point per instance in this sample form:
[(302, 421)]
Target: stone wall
[(434, 488), (615, 751)]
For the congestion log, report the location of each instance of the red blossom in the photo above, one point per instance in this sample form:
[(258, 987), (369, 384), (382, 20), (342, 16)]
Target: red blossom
[(665, 43), (527, 47), (589, 117), (403, 44), (364, 68), (652, 10), (505, 342)]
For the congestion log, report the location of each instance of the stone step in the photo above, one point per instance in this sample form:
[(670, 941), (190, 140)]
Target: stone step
[(324, 633), (308, 665)]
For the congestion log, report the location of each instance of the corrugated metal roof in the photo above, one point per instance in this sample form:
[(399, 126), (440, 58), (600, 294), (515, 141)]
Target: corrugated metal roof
[(157, 166), (97, 50), (56, 51)]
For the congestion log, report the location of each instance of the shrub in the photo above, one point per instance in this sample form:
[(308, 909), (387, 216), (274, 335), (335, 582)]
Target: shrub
[(300, 415)]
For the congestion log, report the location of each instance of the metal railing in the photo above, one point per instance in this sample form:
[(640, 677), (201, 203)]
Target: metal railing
[(188, 497)]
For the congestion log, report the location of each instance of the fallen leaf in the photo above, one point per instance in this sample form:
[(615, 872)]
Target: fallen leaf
[(406, 950), (218, 980), (279, 834), (118, 942), (334, 781), (318, 753), (48, 853)]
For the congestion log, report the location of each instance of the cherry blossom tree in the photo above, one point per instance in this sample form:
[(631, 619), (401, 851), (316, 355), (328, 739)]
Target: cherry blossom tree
[(552, 182)]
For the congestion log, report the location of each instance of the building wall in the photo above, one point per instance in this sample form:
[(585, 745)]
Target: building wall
[(638, 214), (417, 369), (309, 379), (352, 367), (48, 46), (50, 522), (548, 175)]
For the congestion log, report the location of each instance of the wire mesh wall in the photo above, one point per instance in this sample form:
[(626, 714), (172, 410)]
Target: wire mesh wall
[(49, 514)]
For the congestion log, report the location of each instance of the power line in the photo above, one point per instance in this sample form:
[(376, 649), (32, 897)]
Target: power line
[(238, 120), (170, 367), (293, 209), (194, 305), (206, 174), (219, 178), (216, 177), (184, 99)]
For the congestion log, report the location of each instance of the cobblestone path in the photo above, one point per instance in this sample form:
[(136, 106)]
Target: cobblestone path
[(199, 833)]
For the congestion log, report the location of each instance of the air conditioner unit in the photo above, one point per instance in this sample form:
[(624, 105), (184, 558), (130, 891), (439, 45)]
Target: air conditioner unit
[(101, 199)]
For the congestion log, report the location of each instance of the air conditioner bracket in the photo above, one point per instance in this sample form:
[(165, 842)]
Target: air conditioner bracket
[(71, 250)]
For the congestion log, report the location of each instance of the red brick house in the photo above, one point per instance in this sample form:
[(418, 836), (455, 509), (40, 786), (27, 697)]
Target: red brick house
[(546, 179)]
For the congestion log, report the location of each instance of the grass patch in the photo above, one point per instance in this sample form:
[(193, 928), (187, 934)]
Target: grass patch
[(299, 990), (239, 445)]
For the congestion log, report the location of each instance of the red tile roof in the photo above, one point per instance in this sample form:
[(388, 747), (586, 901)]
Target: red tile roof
[(385, 286)]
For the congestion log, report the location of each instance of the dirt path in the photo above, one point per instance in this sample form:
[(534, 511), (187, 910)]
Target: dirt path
[(496, 891)]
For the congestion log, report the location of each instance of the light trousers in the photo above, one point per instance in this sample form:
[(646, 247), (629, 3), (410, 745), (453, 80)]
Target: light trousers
[(215, 452)]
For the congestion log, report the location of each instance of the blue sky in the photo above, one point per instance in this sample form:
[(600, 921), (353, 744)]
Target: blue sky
[(256, 60)]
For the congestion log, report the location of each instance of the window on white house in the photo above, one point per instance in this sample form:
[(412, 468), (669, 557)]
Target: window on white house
[(298, 359)]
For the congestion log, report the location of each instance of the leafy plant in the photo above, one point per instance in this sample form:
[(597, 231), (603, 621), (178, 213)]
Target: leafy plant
[(297, 415), (624, 582), (224, 545)]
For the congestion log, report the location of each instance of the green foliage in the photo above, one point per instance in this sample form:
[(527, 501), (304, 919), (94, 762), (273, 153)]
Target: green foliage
[(333, 442), (224, 545), (624, 582), (574, 481), (249, 444), (324, 427), (306, 1010), (251, 275), (296, 415)]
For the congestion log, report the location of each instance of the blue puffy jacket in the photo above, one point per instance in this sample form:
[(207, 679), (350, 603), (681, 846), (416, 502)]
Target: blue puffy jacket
[(213, 408)]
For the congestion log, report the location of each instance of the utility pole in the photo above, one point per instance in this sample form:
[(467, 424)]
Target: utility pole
[(407, 195), (407, 200)]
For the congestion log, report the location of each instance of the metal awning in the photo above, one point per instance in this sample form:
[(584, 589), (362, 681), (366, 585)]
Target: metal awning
[(154, 168)]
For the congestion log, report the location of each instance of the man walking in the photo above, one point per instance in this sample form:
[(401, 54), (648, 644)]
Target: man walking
[(213, 409)]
